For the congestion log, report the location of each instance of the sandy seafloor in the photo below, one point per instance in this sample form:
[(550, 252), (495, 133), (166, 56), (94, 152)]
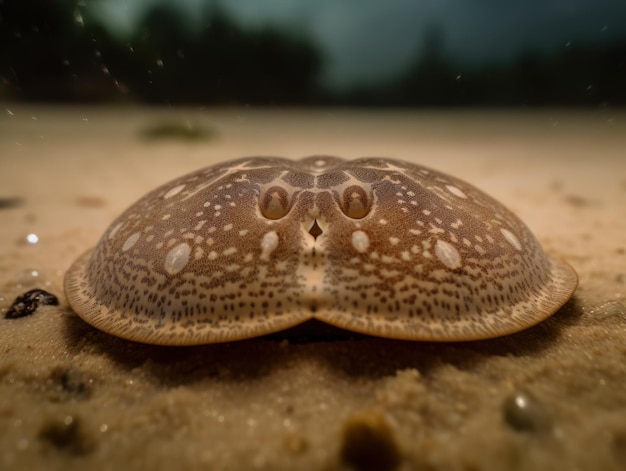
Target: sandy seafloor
[(72, 397)]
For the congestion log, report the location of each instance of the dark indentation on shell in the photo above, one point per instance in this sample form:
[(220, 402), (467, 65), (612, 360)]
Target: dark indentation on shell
[(275, 203), (356, 202), (29, 302), (315, 230)]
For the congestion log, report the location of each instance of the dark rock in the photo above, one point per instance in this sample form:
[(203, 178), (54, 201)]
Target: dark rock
[(29, 302)]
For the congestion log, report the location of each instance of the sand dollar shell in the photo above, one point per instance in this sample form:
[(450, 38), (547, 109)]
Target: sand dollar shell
[(257, 245)]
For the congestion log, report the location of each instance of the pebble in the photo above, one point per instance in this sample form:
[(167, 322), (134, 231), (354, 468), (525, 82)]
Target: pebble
[(368, 442), (524, 413), (67, 434), (72, 382), (29, 302)]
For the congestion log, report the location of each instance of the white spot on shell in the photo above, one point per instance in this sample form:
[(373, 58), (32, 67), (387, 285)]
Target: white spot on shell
[(458, 223), (177, 258), (268, 244), (198, 253), (456, 191), (448, 254), (230, 251), (115, 230), (360, 241), (394, 240), (130, 241), (509, 236), (174, 191)]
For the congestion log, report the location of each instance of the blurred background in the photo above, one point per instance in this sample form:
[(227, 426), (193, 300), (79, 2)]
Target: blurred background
[(396, 53)]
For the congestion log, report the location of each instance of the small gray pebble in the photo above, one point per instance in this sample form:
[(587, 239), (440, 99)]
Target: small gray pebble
[(524, 413)]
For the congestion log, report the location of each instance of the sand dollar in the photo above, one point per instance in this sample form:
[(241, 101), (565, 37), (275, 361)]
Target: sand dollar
[(257, 245)]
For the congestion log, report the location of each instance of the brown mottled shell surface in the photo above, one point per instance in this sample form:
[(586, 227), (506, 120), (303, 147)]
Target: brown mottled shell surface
[(260, 244)]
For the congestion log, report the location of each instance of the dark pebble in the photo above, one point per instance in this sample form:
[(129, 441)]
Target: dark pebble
[(67, 435), (9, 203), (524, 413), (72, 382), (368, 443), (29, 302)]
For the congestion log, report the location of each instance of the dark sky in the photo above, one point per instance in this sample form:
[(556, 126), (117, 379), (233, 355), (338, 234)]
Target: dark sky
[(366, 40)]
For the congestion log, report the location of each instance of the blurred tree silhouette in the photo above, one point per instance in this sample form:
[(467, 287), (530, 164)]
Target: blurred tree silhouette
[(49, 52), (223, 64), (575, 75), (36, 46), (431, 80)]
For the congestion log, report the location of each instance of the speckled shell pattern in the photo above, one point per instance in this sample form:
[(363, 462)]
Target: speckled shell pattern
[(256, 245)]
